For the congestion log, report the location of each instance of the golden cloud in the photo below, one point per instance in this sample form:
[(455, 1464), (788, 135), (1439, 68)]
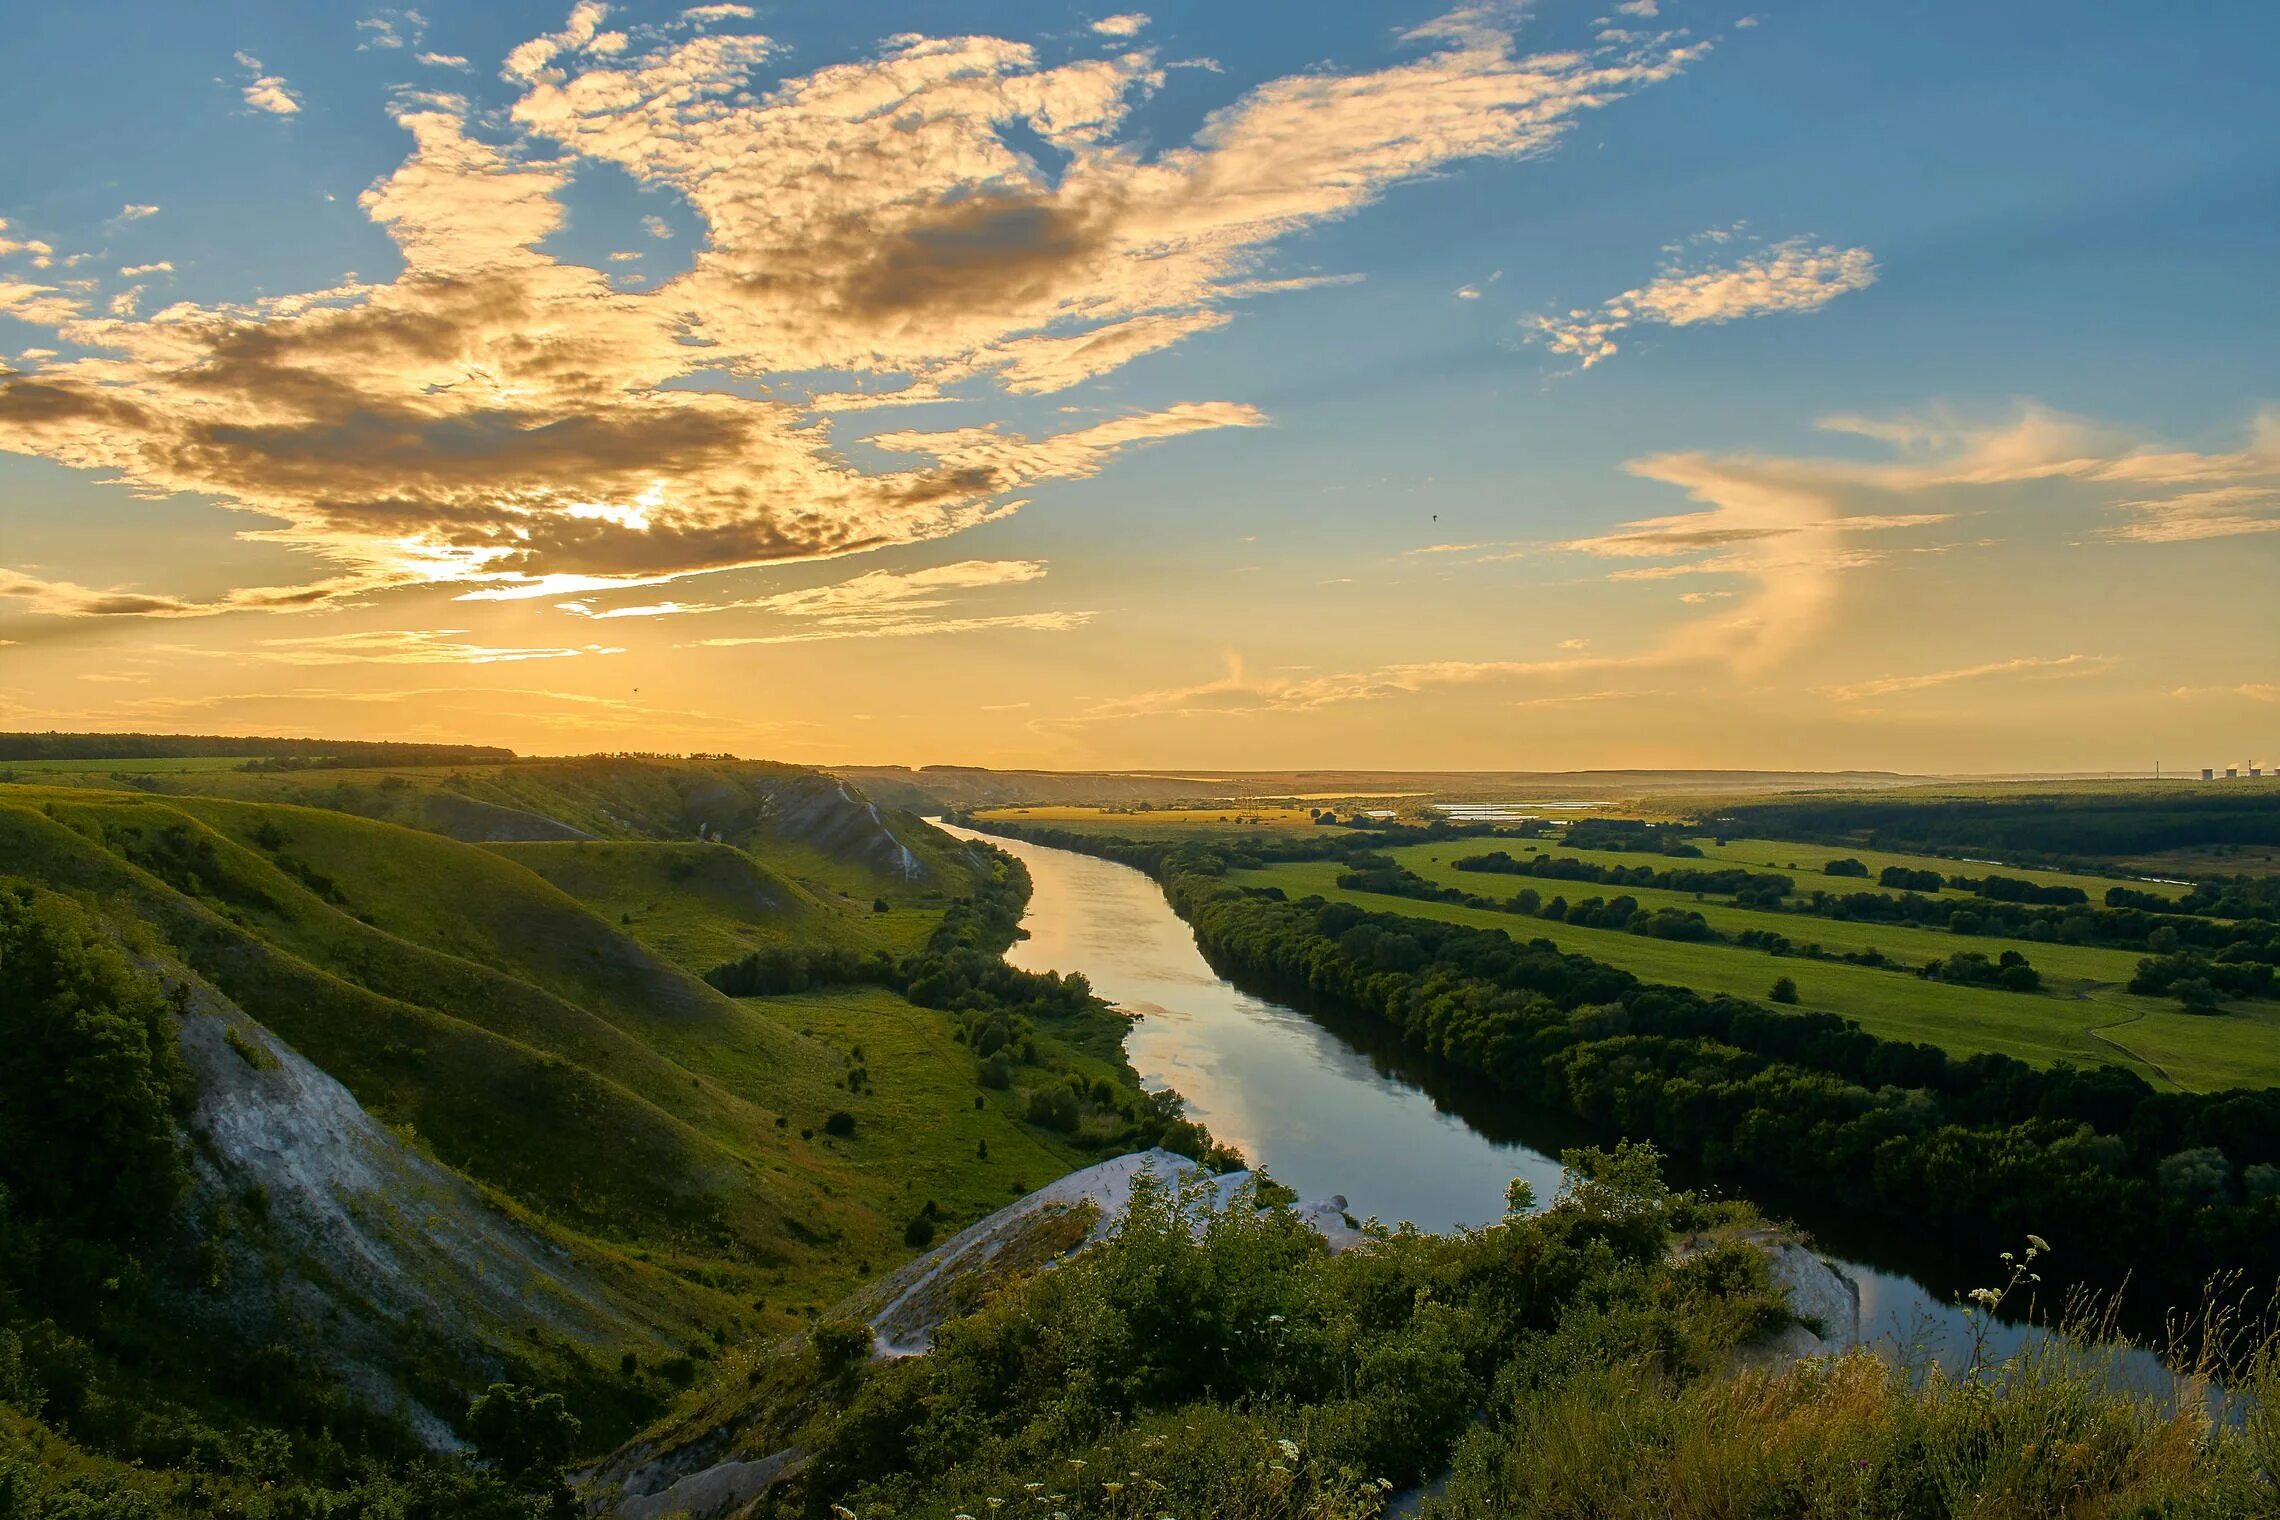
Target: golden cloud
[(501, 420)]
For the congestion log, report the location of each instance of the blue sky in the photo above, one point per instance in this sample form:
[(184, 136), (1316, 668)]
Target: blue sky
[(2022, 253)]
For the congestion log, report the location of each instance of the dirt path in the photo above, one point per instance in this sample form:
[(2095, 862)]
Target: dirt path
[(2098, 1032)]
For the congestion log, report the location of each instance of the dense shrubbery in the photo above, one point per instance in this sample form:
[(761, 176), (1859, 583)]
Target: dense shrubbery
[(779, 969), (1226, 1364), (1968, 968), (1580, 1363)]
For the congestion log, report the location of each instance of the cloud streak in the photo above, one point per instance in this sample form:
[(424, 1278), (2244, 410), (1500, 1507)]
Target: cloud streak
[(1885, 686)]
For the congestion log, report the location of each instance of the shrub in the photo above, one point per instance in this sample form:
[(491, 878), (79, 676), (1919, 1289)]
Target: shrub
[(839, 1122), (841, 1344), (1784, 990), (528, 1435)]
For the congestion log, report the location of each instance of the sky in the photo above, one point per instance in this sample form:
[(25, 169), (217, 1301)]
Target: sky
[(1672, 383)]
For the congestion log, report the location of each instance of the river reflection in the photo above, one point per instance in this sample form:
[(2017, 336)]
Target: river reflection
[(1328, 1106)]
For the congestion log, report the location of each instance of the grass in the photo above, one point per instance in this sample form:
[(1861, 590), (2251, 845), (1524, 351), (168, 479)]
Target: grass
[(2066, 968), (1804, 861), (1222, 823), (153, 765), (2168, 1048), (549, 1053), (699, 905)]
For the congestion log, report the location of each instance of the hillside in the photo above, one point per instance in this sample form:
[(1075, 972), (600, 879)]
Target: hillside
[(433, 1089)]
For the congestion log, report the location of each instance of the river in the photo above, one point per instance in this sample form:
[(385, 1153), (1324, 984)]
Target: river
[(1325, 1106)]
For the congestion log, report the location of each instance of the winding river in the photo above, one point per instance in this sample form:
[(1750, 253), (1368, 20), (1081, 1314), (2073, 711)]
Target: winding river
[(1323, 1103)]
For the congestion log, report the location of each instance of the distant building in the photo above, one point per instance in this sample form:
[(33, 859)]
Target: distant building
[(2232, 773), (2208, 774)]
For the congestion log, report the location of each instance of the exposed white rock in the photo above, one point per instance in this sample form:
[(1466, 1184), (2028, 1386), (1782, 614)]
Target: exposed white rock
[(352, 1230)]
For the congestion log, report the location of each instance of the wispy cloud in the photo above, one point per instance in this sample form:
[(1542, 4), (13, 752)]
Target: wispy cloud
[(438, 646), (2221, 512), (40, 255), (496, 417), (266, 92), (708, 15), (161, 266), (881, 604), (1127, 24), (2036, 665), (390, 29), (1790, 276), (54, 598)]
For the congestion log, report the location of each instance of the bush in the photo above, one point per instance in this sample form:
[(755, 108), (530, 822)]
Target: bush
[(841, 1344), (1784, 990), (528, 1435), (1054, 1107), (839, 1122)]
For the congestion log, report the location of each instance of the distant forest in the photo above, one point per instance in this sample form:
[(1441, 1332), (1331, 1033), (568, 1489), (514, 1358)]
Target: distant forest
[(2052, 828), (55, 746)]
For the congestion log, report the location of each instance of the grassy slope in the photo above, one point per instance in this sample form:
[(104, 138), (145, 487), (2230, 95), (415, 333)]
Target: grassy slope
[(540, 1048), (2238, 1050), (701, 904)]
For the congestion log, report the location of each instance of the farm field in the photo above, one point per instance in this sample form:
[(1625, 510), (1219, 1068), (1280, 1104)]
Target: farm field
[(2235, 1050), (153, 765), (1213, 823), (1907, 943), (1804, 861)]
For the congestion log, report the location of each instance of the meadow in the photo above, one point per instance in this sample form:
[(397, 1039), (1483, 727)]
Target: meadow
[(1804, 861), (2087, 1024)]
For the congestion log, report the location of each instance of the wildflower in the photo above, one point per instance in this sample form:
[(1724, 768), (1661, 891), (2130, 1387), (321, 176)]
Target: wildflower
[(2038, 1242), (1289, 1449), (842, 1512), (1113, 1489)]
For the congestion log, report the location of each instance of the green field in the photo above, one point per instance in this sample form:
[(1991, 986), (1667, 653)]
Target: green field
[(2061, 965), (1804, 861), (2086, 1024), (1221, 823), (154, 765)]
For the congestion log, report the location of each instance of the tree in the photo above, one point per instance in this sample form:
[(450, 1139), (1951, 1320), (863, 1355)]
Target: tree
[(2196, 993), (1784, 990), (91, 1084), (880, 905), (528, 1435)]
